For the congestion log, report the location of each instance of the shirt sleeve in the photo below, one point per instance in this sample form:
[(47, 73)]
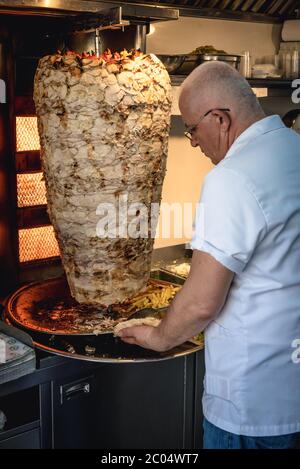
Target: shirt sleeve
[(229, 221)]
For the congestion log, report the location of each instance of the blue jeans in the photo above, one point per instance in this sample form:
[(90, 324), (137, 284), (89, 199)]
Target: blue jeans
[(215, 438)]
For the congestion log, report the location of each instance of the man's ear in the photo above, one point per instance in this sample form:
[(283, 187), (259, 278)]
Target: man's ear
[(224, 120)]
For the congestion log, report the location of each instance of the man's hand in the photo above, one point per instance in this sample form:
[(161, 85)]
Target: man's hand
[(145, 336), (197, 304)]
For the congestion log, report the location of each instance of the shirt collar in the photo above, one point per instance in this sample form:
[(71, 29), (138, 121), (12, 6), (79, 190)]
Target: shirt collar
[(263, 126)]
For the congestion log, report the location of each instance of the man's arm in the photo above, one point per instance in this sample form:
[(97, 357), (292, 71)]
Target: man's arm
[(199, 301)]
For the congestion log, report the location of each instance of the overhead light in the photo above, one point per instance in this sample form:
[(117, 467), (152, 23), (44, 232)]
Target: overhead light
[(151, 30), (260, 92)]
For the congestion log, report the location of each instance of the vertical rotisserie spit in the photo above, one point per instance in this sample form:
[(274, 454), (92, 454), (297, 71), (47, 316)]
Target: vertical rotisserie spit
[(104, 126)]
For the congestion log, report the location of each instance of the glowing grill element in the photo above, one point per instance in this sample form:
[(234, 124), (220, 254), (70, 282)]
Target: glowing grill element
[(31, 190), (27, 134), (37, 243)]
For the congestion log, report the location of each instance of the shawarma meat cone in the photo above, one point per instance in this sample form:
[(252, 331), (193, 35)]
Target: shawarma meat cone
[(104, 127)]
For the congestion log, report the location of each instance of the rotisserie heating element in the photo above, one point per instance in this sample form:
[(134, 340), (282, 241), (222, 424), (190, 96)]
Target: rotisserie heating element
[(35, 243)]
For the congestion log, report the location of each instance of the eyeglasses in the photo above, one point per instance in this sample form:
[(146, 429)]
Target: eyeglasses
[(189, 130)]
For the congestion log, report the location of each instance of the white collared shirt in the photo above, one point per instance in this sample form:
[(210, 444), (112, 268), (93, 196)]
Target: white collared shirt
[(251, 202)]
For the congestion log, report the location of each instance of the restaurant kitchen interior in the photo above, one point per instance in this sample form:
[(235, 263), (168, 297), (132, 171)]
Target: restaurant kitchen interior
[(85, 402)]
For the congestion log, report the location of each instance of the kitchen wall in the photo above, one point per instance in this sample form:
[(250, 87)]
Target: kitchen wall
[(185, 34), (186, 169), (186, 166)]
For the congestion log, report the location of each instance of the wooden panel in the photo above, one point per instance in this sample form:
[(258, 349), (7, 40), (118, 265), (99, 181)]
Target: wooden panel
[(29, 217), (28, 161), (24, 106)]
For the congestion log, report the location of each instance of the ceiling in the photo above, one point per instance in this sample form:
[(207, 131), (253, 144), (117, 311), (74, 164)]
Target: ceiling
[(268, 11), (243, 10)]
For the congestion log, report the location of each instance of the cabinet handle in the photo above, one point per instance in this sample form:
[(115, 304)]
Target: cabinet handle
[(73, 390)]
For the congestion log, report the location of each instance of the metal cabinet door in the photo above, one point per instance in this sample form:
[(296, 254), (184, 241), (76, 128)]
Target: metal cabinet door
[(122, 406), (147, 405), (76, 413)]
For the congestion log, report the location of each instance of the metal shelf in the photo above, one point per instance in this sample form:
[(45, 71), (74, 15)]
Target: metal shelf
[(5, 434), (275, 83)]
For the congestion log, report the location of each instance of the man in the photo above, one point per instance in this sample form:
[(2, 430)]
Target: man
[(244, 283)]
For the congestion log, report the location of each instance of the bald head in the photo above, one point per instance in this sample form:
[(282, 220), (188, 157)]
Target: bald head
[(217, 105), (218, 85)]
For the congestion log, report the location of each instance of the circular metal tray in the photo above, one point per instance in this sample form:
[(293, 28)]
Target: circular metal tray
[(106, 349), (48, 307), (184, 64), (58, 335)]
